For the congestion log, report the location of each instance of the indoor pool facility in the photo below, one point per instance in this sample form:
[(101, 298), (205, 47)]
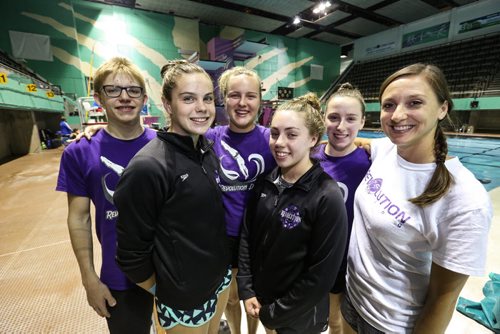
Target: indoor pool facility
[(134, 67), (480, 155)]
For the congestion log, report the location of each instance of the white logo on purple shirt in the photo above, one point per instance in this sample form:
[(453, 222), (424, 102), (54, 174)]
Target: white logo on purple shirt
[(233, 160), (108, 193)]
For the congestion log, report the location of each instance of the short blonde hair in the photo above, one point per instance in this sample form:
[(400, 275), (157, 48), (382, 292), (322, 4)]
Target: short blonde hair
[(114, 66), (238, 70)]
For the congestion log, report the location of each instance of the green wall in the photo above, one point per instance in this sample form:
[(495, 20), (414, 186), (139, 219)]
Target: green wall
[(84, 34)]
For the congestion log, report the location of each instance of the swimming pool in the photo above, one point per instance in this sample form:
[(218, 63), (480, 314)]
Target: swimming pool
[(480, 155)]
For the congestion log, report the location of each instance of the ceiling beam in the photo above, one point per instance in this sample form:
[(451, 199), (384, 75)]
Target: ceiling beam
[(356, 11), (243, 9), (285, 29), (367, 13), (441, 4), (372, 8), (307, 17), (334, 31)]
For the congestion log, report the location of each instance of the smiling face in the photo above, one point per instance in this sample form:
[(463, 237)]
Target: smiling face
[(242, 102), (121, 110), (343, 119), (291, 143), (409, 115), (192, 108)]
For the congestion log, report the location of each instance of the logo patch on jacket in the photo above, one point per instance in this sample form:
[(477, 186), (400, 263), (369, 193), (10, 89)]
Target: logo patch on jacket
[(290, 217)]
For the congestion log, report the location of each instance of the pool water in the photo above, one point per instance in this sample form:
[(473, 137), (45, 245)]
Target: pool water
[(480, 155)]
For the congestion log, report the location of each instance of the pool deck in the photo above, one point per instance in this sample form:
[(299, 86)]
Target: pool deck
[(476, 135), (452, 134), (40, 285)]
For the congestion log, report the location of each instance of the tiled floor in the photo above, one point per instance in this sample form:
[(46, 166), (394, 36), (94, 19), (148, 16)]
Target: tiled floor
[(40, 288)]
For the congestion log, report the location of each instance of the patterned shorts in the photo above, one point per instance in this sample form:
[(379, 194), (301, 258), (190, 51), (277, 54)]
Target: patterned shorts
[(197, 317)]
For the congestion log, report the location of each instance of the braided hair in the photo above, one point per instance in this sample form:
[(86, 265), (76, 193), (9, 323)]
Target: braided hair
[(441, 180)]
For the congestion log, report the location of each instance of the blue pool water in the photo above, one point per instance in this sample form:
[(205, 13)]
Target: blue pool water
[(480, 155)]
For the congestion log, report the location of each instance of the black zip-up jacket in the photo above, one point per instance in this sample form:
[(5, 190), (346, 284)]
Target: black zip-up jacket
[(171, 220), (291, 249)]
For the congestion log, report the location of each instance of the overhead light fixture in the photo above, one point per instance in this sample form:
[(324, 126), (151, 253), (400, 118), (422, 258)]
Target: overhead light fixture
[(343, 56), (296, 20), (321, 8)]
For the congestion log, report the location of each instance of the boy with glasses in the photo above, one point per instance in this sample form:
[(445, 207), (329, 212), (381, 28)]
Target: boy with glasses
[(89, 171)]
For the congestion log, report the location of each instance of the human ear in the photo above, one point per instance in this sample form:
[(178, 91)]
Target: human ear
[(314, 140), (166, 105), (443, 110)]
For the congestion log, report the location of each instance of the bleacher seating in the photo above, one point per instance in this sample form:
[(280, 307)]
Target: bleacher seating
[(7, 62), (472, 68)]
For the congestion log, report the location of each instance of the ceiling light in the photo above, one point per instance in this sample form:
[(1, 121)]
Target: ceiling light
[(343, 56), (321, 7), (296, 20)]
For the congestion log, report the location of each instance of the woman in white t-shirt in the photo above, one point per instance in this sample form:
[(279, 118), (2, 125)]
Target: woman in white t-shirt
[(421, 219)]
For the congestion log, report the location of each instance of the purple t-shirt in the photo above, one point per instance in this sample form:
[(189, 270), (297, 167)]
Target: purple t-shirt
[(243, 158), (348, 171), (92, 169)]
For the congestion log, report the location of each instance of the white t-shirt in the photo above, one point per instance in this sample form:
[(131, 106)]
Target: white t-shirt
[(394, 242)]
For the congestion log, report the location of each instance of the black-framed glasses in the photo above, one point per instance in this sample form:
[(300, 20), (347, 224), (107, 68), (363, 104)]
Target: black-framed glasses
[(115, 91)]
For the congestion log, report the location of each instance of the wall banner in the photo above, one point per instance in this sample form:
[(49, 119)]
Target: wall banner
[(30, 46), (426, 35), (380, 48), (479, 23)]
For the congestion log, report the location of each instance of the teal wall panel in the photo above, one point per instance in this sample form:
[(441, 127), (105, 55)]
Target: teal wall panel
[(14, 94), (484, 103), (14, 99), (84, 34)]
